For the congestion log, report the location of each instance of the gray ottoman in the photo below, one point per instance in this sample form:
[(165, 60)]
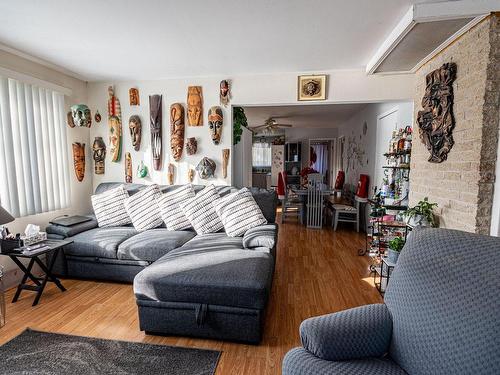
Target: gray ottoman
[(211, 287)]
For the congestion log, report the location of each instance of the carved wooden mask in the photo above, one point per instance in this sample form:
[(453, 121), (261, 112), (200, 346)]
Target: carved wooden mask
[(133, 95), (135, 127), (195, 106), (81, 116), (115, 138), (79, 160), (128, 167), (206, 168), (225, 161), (191, 146), (215, 123), (436, 121), (99, 155), (155, 123), (224, 92), (176, 130)]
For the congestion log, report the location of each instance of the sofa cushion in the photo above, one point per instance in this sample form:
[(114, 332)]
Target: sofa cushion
[(267, 201), (143, 210), (239, 212), (109, 207), (215, 274), (261, 236), (99, 242), (152, 244), (170, 210), (201, 212)]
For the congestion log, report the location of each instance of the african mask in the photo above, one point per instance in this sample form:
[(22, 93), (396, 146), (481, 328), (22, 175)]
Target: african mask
[(81, 116), (142, 170), (215, 122), (195, 106), (133, 95), (79, 160), (224, 92), (225, 161), (436, 121), (155, 124), (190, 175), (97, 117), (99, 154), (115, 138), (128, 167), (206, 168), (170, 174), (176, 130), (135, 127), (114, 107), (191, 146)]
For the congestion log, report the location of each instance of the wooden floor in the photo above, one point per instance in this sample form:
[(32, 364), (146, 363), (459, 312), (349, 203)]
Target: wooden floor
[(317, 272)]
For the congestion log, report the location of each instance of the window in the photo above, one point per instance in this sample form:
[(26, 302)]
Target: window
[(261, 154), (34, 174)]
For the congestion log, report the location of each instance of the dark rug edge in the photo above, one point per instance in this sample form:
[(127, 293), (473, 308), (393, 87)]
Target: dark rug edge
[(28, 329)]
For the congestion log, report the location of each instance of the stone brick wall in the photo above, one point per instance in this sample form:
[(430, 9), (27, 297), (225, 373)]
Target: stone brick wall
[(463, 184)]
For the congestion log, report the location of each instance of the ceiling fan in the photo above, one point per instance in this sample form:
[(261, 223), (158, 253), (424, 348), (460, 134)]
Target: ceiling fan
[(270, 126)]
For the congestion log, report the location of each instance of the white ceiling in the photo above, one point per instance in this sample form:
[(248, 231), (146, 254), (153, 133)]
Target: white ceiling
[(153, 39), (304, 116)]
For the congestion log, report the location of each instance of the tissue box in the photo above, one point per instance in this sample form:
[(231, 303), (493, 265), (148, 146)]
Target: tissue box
[(30, 240)]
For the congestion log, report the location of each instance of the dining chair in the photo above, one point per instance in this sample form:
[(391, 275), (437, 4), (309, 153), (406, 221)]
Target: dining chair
[(315, 200), (291, 204), (346, 211)]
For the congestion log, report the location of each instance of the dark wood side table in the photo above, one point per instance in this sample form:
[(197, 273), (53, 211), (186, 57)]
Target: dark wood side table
[(53, 249)]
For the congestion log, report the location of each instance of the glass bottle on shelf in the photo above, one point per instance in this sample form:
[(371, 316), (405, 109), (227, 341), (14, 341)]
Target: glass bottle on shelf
[(408, 139), (402, 140)]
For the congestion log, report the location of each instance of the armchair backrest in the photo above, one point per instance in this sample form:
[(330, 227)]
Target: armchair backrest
[(444, 298)]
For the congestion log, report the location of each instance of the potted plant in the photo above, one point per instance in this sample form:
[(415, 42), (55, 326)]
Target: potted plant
[(422, 214), (395, 247)]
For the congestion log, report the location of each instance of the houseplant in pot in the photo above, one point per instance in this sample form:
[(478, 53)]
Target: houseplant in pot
[(395, 247), (421, 215)]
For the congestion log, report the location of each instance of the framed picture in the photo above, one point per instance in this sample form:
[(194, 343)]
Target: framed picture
[(311, 87)]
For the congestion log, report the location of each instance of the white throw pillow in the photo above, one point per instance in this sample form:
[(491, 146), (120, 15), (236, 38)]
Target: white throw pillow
[(109, 207), (143, 210), (201, 212), (239, 212), (171, 212)]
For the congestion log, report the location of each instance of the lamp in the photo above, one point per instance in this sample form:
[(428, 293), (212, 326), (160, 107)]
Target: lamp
[(5, 217)]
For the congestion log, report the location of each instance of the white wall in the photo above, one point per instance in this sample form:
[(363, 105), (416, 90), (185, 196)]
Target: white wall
[(80, 191), (266, 89)]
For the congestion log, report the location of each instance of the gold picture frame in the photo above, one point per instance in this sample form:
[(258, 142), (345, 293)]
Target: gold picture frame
[(311, 87)]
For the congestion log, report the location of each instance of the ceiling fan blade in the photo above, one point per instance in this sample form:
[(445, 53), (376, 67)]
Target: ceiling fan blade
[(283, 125), (259, 126)]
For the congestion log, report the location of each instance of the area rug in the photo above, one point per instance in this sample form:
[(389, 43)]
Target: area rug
[(34, 352)]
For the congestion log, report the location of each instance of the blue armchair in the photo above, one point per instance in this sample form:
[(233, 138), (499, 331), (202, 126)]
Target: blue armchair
[(441, 316)]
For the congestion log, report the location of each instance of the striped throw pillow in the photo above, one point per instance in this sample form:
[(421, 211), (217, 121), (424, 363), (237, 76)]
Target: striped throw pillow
[(239, 212), (109, 208), (143, 210), (201, 212), (171, 212)]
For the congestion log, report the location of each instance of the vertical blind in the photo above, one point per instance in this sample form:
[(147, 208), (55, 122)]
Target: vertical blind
[(34, 174), (261, 154)]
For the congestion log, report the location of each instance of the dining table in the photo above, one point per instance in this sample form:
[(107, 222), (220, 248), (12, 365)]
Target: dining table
[(302, 194)]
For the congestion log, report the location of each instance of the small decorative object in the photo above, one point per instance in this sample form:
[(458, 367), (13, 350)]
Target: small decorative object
[(171, 170), (142, 170), (224, 92), (135, 127), (155, 118), (225, 161), (128, 167), (436, 121), (206, 168), (133, 95), (176, 130), (99, 154), (80, 116), (79, 160), (97, 117), (190, 175), (421, 215), (195, 106), (191, 146), (215, 122), (311, 87), (239, 122), (114, 125), (395, 247)]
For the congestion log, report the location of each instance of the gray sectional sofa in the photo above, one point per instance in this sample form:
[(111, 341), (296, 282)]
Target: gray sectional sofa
[(211, 286)]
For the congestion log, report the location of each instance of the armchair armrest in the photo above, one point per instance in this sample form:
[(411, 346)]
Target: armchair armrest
[(261, 236), (63, 232), (356, 333)]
